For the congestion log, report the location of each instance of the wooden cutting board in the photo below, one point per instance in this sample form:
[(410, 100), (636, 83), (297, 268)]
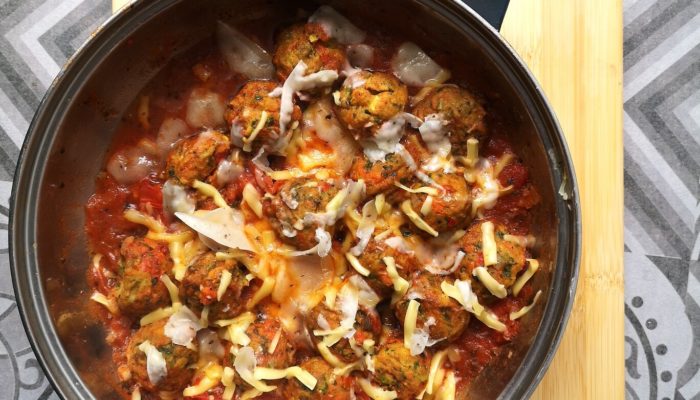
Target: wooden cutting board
[(574, 48)]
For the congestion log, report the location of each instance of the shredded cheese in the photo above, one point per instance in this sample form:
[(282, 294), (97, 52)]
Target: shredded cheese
[(297, 372), (170, 237), (435, 364), (110, 304), (472, 152), (252, 199), (427, 206), (517, 314), (488, 241), (177, 254), (448, 388), (532, 267), (136, 394), (431, 191), (497, 289), (236, 328), (245, 365), (209, 190), (212, 377), (157, 315), (250, 394), (140, 218), (525, 241), (416, 219), (355, 263), (264, 291), (275, 341), (259, 127), (329, 357), (490, 320), (229, 385), (172, 289), (400, 284), (376, 393), (409, 323), (379, 202), (223, 284)]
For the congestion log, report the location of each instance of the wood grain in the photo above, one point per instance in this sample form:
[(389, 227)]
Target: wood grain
[(574, 48)]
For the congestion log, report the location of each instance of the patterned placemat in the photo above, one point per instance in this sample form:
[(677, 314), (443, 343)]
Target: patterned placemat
[(662, 167)]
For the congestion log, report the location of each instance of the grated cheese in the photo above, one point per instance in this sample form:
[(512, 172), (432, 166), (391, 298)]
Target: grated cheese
[(136, 394), (409, 323), (110, 304), (210, 191), (212, 377), (140, 218), (400, 284), (264, 291), (427, 206), (236, 328), (176, 253), (172, 289), (250, 394), (229, 385), (488, 241), (252, 199), (254, 134), (297, 372), (431, 191), (355, 263), (490, 320), (329, 357), (416, 219), (518, 314), (532, 267), (223, 284), (435, 364), (157, 315), (366, 227), (170, 237), (275, 341), (497, 289), (245, 365)]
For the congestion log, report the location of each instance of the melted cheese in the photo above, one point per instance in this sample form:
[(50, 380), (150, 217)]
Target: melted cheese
[(497, 289), (518, 314), (247, 141), (177, 254), (435, 364), (532, 267), (424, 189), (488, 241), (329, 357), (157, 315), (409, 323), (365, 228), (427, 206), (229, 385), (245, 365), (172, 289)]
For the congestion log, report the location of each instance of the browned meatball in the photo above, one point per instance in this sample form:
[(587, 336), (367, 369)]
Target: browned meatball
[(372, 259), (396, 369), (451, 208), (511, 256), (201, 283), (196, 157), (308, 43), (140, 290), (179, 360), (367, 326), (368, 99), (460, 109), (441, 316), (296, 199), (380, 176), (328, 386), (245, 111), (262, 333)]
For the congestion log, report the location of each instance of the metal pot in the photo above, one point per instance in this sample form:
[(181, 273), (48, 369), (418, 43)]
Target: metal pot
[(67, 140)]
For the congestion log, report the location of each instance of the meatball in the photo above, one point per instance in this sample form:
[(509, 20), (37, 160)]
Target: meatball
[(510, 256), (296, 199), (328, 385), (262, 333), (179, 360), (308, 43), (196, 157), (368, 99), (443, 317), (246, 109), (367, 325), (372, 259), (462, 111), (450, 209), (396, 369), (379, 176), (140, 290), (201, 283)]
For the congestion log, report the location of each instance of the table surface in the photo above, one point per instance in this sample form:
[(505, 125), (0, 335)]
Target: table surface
[(574, 48)]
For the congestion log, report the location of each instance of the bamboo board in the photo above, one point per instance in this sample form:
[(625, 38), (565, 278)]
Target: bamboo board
[(574, 48)]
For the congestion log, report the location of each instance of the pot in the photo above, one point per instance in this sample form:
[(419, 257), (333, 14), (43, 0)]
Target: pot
[(69, 136)]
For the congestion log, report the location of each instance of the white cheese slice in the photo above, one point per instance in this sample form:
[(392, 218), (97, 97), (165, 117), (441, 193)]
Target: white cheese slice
[(222, 225), (155, 362)]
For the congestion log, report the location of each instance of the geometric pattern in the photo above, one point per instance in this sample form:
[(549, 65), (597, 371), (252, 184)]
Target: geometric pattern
[(662, 190), (36, 39), (662, 198)]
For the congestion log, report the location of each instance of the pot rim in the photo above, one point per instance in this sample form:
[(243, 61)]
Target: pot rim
[(27, 284)]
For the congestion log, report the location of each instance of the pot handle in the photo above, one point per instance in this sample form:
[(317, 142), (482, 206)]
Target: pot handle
[(492, 11)]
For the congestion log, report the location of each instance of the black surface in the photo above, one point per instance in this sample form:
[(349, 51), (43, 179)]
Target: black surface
[(492, 11)]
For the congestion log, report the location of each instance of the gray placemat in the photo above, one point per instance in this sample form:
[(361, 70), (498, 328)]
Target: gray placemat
[(662, 167)]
